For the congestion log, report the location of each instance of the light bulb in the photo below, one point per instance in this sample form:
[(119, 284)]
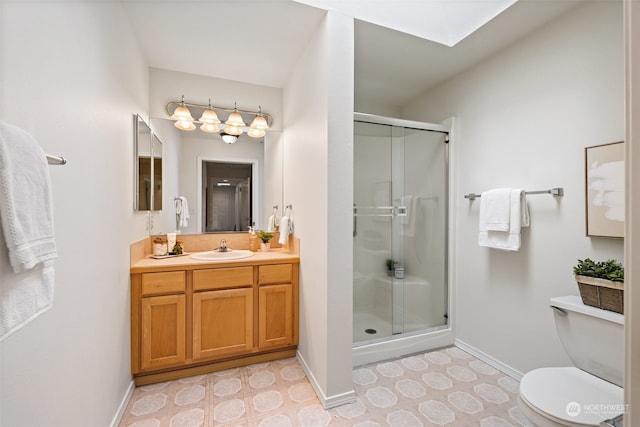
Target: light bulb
[(209, 116), (182, 113), (184, 125), (256, 133), (232, 130), (259, 122), (209, 128)]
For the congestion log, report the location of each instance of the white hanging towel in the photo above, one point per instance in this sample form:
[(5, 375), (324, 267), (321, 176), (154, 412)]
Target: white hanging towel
[(518, 217), (284, 230), (23, 296), (271, 223), (182, 211), (26, 212)]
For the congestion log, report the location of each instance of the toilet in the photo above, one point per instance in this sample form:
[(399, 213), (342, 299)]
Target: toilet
[(590, 391)]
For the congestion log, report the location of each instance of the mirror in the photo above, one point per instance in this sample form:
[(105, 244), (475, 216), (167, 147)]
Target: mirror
[(184, 176), (143, 188), (148, 167), (227, 201)]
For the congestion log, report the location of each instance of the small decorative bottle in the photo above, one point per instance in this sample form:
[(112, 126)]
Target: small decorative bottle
[(253, 240)]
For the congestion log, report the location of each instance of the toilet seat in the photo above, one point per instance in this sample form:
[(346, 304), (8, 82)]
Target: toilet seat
[(548, 392)]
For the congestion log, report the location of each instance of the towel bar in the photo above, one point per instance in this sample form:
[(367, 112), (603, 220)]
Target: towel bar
[(55, 160), (556, 192)]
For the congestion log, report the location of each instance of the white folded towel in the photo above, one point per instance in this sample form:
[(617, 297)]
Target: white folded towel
[(509, 240), (27, 243), (26, 203), (496, 205)]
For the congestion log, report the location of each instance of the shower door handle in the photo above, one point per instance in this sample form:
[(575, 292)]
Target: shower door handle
[(355, 221)]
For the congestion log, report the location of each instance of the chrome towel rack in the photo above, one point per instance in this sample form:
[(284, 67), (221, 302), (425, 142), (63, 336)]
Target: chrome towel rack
[(556, 192)]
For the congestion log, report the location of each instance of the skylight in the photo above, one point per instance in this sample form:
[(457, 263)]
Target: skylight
[(443, 21)]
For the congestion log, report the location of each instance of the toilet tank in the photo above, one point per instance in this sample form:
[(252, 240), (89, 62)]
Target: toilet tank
[(593, 338)]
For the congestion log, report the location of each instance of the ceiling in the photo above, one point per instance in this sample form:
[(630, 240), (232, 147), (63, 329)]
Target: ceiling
[(442, 21), (259, 42)]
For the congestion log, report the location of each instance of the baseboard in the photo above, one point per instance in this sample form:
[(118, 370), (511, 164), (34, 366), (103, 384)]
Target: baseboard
[(327, 402), (123, 404), (503, 367)]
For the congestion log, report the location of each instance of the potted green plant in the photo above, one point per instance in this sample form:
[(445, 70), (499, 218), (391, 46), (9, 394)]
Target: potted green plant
[(601, 283), (389, 263), (265, 237)]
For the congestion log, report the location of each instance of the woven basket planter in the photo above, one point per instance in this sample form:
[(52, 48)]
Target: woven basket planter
[(601, 293)]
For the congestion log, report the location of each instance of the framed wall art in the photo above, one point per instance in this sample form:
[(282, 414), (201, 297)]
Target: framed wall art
[(604, 187)]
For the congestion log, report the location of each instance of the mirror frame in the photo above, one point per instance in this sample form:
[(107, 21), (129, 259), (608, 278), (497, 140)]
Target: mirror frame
[(156, 173)]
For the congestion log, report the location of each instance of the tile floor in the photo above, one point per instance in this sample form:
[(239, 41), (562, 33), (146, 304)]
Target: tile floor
[(447, 387)]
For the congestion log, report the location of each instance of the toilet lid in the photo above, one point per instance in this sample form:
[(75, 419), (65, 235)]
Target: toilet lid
[(571, 396)]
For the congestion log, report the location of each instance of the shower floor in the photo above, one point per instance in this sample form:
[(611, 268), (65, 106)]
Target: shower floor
[(367, 326)]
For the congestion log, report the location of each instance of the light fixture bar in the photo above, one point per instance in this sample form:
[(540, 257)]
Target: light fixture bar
[(172, 105)]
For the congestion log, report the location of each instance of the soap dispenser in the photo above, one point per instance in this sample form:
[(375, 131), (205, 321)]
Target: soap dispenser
[(254, 244)]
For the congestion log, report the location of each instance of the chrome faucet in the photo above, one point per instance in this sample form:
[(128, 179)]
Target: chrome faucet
[(223, 246)]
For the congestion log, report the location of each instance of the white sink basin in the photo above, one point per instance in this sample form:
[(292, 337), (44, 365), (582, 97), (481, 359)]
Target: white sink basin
[(222, 256)]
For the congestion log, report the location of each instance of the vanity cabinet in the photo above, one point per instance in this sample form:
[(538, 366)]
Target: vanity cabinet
[(275, 305), (163, 331), (201, 318), (222, 312), (162, 319)]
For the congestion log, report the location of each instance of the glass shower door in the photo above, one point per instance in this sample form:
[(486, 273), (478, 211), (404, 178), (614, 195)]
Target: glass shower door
[(399, 249)]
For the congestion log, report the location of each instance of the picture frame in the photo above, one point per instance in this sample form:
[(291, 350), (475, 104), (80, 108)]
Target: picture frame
[(604, 190)]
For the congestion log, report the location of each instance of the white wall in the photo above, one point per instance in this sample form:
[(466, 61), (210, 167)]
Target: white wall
[(318, 181), (73, 82), (523, 118)]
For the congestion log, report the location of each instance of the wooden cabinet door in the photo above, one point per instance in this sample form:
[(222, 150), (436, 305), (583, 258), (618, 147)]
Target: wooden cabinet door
[(222, 323), (275, 311), (163, 331)]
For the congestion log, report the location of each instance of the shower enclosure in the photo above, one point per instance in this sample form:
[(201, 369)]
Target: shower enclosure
[(399, 229)]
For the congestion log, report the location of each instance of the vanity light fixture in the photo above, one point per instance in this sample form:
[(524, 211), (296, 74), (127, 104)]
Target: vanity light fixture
[(233, 126), (183, 118), (209, 120), (234, 123), (258, 126)]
